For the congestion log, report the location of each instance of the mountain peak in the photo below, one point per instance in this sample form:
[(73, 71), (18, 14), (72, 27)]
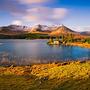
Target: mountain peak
[(62, 30)]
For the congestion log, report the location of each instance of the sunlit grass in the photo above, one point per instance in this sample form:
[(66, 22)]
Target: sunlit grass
[(60, 76)]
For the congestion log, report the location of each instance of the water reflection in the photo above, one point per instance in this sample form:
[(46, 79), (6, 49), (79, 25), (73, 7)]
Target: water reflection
[(22, 52)]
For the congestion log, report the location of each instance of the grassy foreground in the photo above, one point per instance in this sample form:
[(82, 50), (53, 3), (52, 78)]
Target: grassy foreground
[(55, 76)]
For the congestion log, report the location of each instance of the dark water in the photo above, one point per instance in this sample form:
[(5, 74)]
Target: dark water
[(37, 51)]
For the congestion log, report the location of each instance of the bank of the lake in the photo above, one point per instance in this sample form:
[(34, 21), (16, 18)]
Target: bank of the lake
[(80, 44), (54, 76), (83, 43)]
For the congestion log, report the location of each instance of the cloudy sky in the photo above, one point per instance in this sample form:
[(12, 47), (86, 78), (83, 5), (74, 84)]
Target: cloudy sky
[(72, 13)]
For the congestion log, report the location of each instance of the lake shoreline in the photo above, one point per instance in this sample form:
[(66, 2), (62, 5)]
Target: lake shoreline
[(58, 42), (57, 63), (83, 45), (79, 44)]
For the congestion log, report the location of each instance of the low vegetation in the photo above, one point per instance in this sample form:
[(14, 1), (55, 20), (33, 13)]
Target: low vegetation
[(87, 40), (70, 40), (55, 76), (25, 36), (36, 36)]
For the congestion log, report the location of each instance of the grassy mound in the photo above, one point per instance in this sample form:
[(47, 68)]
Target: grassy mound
[(55, 76)]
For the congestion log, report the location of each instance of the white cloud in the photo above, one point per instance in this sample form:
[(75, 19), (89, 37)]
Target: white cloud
[(35, 12), (44, 14), (32, 1), (82, 28), (17, 22), (59, 13)]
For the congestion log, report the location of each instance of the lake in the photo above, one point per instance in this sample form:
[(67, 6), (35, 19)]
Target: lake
[(24, 52)]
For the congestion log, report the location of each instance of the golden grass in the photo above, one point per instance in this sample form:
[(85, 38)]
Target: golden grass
[(60, 76)]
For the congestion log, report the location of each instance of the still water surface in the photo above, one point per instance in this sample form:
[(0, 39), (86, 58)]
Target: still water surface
[(37, 51)]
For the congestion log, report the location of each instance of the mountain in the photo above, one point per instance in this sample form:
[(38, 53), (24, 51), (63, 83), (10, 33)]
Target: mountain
[(17, 29), (13, 29), (0, 28), (41, 28), (87, 33), (62, 30)]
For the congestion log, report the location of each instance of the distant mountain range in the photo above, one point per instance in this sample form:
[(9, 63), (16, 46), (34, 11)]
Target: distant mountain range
[(51, 30), (87, 33), (14, 28)]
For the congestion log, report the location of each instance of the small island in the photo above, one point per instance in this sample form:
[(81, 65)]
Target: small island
[(65, 36)]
